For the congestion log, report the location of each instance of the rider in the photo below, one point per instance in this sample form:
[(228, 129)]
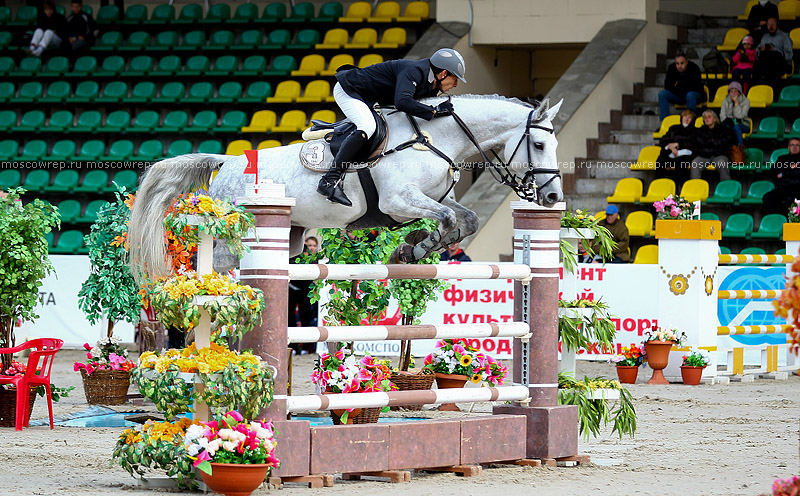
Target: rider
[(395, 82)]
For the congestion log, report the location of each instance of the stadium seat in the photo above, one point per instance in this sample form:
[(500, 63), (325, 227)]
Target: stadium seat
[(324, 115), (750, 5), (237, 147), (385, 12), (143, 92), (228, 92), (301, 12), (136, 42), (36, 180), (795, 131), (262, 122), (647, 158), (117, 121), (193, 40), (316, 91), (150, 150), (282, 65), (286, 92), (657, 190), (771, 127), (168, 65), (771, 227), (60, 121), (753, 250), (221, 40), (7, 65), (65, 181), (357, 12), (113, 92), (162, 14), (219, 12), (760, 96), (127, 178), (190, 14), (210, 146), (415, 12), (179, 147), (94, 181), (306, 38), (392, 38), (292, 121), (5, 15), (754, 160), (109, 41), (726, 193), (108, 14), (257, 92), (200, 92), (334, 39), (627, 190), (732, 39), (8, 90), (166, 40), (174, 122), (232, 122), (254, 65), (640, 223), (363, 38), (773, 157), (144, 122), (739, 225), (135, 14), (91, 150), (62, 150), (8, 119), (788, 10), (119, 150), (29, 66), (196, 65), (270, 143), (329, 12), (781, 251), (173, 91), (336, 62), (88, 121), (249, 40), (310, 65), (719, 96), (695, 189), (111, 66), (273, 12), (246, 13), (708, 216), (69, 242), (647, 254), (31, 121), (55, 67), (141, 65), (369, 59), (6, 37), (86, 91), (10, 178), (789, 97), (29, 92), (277, 39), (224, 65), (92, 209), (8, 149)]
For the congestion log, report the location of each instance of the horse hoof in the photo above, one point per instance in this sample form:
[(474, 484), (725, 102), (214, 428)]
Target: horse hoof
[(402, 254), (415, 237)]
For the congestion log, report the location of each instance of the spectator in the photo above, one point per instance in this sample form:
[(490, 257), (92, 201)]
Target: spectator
[(743, 61), (786, 179), (312, 244), (734, 112), (81, 27), (678, 143), (50, 31), (759, 15), (713, 146), (683, 85), (774, 54), (619, 231), (454, 252)]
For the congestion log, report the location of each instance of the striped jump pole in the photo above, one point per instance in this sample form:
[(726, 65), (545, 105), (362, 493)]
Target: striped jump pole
[(750, 294), (751, 329), (395, 332), (755, 259), (345, 272)]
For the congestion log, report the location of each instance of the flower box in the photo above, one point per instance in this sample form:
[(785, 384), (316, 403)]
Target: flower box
[(603, 394), (791, 231), (576, 233), (579, 313)]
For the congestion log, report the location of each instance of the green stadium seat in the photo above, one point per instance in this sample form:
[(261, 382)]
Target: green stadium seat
[(168, 65), (754, 160), (162, 14), (277, 39), (210, 146), (113, 92), (174, 122), (8, 119), (91, 150), (257, 92), (56, 66), (246, 13), (228, 92), (775, 155), (10, 178), (88, 121), (254, 65), (190, 14), (36, 180), (282, 65), (150, 150), (249, 40), (94, 181), (31, 121), (57, 92), (135, 14), (29, 92), (753, 250), (726, 192), (109, 41), (200, 92), (34, 150), (739, 225), (193, 40), (136, 42), (92, 209), (306, 38), (26, 15), (6, 37), (29, 66), (219, 12), (8, 90), (708, 216), (273, 12), (769, 128), (111, 66), (221, 40), (224, 65), (196, 65), (203, 122), (173, 91), (86, 91), (141, 65), (69, 242), (789, 97), (5, 14), (145, 122), (232, 122), (143, 92), (329, 12), (60, 121), (771, 227), (119, 150), (8, 149), (301, 12), (795, 131), (108, 14), (179, 147), (117, 121), (65, 180), (781, 251), (7, 65), (127, 178), (166, 40)]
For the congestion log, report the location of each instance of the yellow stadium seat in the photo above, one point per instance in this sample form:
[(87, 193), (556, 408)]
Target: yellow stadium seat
[(667, 123), (270, 143), (310, 65), (262, 122), (316, 91), (415, 12), (334, 39), (750, 4), (658, 189), (286, 92), (600, 215), (695, 189), (794, 34), (392, 38), (323, 115), (363, 38), (640, 223), (357, 12), (336, 62), (628, 190), (760, 96), (297, 142), (292, 121), (647, 158), (237, 147), (732, 39), (385, 12), (369, 59), (698, 122), (647, 254), (719, 96), (788, 10)]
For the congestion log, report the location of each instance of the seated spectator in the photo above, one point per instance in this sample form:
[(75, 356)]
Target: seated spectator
[(619, 231), (713, 146), (759, 15), (678, 143), (734, 112), (786, 179), (683, 85), (743, 61), (774, 54), (81, 27), (454, 252), (50, 31)]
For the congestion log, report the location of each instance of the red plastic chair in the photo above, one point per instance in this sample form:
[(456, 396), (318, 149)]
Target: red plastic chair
[(40, 360)]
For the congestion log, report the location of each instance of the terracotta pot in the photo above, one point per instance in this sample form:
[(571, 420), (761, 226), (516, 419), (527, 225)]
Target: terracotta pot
[(691, 375), (450, 381), (627, 374), (657, 358), (235, 479)]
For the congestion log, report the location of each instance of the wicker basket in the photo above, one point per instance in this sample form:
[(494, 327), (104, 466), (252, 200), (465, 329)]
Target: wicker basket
[(357, 416), (106, 387), (8, 406), (408, 381)]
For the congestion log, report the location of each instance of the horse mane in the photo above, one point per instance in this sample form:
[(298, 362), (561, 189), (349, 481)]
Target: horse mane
[(494, 97)]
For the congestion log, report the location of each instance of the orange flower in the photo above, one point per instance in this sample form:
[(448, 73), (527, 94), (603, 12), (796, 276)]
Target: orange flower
[(129, 201)]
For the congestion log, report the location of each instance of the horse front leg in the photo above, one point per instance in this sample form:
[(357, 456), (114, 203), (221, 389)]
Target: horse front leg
[(413, 203), (466, 224)]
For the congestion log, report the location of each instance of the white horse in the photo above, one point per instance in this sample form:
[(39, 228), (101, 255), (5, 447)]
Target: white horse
[(411, 183)]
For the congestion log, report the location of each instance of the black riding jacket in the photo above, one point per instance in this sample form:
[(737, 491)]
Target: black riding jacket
[(395, 82)]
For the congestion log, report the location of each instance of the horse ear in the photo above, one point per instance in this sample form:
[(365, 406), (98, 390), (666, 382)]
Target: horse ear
[(551, 113), (541, 110)]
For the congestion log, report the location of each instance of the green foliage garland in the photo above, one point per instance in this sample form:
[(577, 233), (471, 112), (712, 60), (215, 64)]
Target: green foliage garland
[(580, 332), (594, 413), (167, 390), (603, 240)]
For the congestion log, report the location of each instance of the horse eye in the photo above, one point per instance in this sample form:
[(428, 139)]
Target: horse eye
[(539, 146)]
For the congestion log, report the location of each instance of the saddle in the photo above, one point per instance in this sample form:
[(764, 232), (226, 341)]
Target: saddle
[(325, 138)]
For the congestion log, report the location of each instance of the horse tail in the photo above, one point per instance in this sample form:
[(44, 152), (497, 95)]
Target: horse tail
[(164, 181)]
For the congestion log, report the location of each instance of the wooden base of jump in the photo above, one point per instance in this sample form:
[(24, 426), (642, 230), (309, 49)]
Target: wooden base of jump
[(462, 470), (394, 476), (568, 461), (313, 481)]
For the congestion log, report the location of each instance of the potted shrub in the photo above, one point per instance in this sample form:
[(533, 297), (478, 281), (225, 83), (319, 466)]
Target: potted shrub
[(693, 365), (657, 346), (593, 410), (628, 363), (582, 227)]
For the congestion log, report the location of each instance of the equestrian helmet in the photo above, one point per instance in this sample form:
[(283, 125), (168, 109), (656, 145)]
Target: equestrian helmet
[(451, 61)]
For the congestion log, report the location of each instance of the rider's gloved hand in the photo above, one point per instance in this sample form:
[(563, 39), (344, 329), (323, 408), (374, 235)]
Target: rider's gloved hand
[(444, 108)]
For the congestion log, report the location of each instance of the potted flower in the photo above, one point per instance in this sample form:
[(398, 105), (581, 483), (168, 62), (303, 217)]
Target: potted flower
[(234, 456), (693, 365), (657, 345), (106, 372), (628, 363), (674, 208), (343, 372)]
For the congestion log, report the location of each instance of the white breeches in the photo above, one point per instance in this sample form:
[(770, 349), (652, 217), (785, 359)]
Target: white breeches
[(355, 110)]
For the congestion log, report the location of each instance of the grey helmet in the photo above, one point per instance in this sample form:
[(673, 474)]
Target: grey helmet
[(451, 61)]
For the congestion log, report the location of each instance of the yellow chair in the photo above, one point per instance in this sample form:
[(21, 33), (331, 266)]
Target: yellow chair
[(363, 38), (297, 142), (698, 122), (385, 12), (270, 143), (237, 147), (369, 59), (334, 39), (658, 189), (788, 10), (392, 38), (750, 4), (647, 158), (324, 115), (667, 123), (732, 39), (627, 190), (647, 254), (719, 96), (310, 65), (287, 92), (416, 12), (336, 62), (357, 12), (760, 96), (262, 122), (695, 189), (316, 91), (640, 223), (794, 34), (600, 215), (292, 121)]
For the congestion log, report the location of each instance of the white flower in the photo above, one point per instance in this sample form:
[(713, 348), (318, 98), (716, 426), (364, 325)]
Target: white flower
[(193, 432), (193, 449), (95, 352), (229, 445), (226, 434)]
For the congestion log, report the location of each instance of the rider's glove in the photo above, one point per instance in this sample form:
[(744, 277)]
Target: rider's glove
[(444, 108)]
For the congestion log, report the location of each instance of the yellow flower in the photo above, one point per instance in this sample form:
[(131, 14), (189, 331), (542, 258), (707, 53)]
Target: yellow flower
[(475, 379), (465, 360)]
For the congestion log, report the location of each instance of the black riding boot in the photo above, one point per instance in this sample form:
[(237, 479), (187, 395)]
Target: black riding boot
[(330, 185)]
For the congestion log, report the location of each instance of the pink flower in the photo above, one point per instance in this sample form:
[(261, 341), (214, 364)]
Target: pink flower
[(368, 361), (675, 211), (202, 457), (235, 415)]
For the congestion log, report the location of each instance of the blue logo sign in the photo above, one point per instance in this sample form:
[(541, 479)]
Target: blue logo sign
[(751, 278)]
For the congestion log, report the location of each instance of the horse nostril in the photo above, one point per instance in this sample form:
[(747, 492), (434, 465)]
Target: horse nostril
[(553, 197)]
